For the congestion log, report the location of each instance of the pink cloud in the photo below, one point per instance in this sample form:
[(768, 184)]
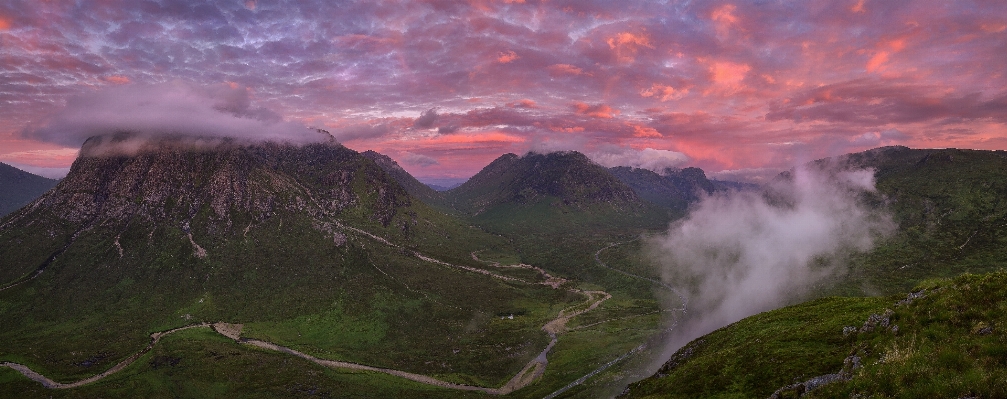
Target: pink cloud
[(507, 57), (595, 111)]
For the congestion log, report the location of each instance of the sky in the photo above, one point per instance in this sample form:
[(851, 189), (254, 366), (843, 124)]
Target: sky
[(740, 89)]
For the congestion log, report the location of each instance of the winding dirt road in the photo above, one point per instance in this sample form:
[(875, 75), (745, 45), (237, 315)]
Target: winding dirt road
[(532, 371)]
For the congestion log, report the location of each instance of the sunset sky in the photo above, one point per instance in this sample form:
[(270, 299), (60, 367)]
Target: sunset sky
[(740, 89)]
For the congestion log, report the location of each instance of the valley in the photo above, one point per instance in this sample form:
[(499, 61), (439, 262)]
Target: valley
[(318, 271), (492, 345)]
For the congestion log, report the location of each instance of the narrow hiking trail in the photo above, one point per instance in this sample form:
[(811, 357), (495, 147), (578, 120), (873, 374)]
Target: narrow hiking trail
[(531, 372)]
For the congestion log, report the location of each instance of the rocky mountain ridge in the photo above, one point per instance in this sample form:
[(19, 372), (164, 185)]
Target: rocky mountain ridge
[(179, 183)]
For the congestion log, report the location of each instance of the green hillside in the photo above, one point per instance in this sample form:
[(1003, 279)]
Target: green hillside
[(18, 188), (418, 190), (946, 339), (951, 208), (951, 213)]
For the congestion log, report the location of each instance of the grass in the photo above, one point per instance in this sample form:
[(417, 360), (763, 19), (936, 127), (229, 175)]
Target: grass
[(199, 363), (948, 343)]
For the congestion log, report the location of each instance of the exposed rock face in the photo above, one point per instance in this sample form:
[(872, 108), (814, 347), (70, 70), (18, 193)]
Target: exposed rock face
[(177, 182)]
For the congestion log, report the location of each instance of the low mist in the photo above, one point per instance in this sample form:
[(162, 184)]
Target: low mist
[(167, 110), (647, 158), (743, 253)]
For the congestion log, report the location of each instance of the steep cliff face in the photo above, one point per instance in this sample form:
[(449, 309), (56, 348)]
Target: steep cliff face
[(206, 192), (177, 183)]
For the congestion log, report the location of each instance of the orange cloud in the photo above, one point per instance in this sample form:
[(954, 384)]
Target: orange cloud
[(59, 157), (859, 7), (663, 92), (567, 69), (525, 103), (896, 44), (729, 73), (595, 111), (507, 57), (490, 137), (4, 23), (117, 79), (993, 27), (627, 44), (725, 14), (877, 61), (646, 131), (250, 4)]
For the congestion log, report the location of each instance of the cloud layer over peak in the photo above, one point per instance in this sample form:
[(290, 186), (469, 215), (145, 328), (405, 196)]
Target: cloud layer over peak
[(173, 108)]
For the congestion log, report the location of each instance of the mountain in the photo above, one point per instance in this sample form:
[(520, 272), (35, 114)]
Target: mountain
[(312, 247), (674, 188), (558, 210), (415, 188), (951, 208), (18, 188), (559, 190), (568, 177)]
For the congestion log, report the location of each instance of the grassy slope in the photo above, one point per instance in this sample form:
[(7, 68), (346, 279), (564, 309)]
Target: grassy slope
[(942, 348), (951, 207)]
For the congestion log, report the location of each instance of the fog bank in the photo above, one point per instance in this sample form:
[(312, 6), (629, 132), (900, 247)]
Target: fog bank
[(747, 252), (173, 109)]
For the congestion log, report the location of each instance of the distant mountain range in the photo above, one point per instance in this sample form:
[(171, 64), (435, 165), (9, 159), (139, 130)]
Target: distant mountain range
[(565, 183), (18, 188)]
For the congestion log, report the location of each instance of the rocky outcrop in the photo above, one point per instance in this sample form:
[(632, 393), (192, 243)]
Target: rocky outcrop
[(177, 182)]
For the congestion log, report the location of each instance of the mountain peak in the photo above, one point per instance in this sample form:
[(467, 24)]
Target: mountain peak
[(219, 182), (570, 178)]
